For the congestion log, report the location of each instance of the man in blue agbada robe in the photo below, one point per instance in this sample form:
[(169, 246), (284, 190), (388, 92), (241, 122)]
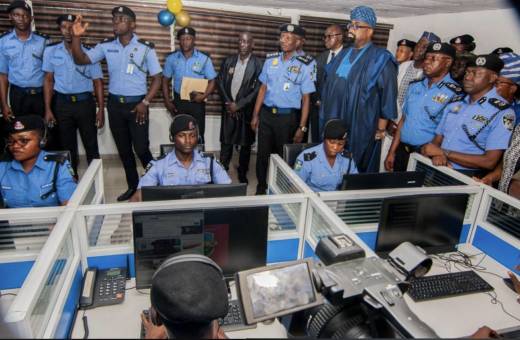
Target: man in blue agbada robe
[(361, 89)]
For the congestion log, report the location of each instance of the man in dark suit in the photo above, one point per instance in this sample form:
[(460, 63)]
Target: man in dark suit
[(333, 38), (238, 86)]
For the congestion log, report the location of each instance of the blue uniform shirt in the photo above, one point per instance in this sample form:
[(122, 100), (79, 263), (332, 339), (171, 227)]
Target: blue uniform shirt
[(23, 190), (170, 171), (22, 60), (69, 78), (314, 169), (287, 81), (423, 109), (199, 66), (128, 65), (489, 118)]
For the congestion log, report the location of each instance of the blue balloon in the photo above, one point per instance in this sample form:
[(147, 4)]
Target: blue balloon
[(166, 18)]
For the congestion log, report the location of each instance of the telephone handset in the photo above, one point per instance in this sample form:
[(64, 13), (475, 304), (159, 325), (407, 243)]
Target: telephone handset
[(103, 287)]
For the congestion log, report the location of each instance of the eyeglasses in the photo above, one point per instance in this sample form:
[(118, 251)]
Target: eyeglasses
[(355, 27), (330, 36), (22, 142)]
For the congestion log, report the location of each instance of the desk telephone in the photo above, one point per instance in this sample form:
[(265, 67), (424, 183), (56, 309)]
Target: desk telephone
[(103, 287)]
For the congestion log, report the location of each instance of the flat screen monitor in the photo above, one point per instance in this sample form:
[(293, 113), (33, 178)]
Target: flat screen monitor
[(383, 180), (175, 192), (433, 222), (235, 238)]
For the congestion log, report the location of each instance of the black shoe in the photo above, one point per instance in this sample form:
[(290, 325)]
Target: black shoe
[(125, 196), (260, 191), (242, 178)]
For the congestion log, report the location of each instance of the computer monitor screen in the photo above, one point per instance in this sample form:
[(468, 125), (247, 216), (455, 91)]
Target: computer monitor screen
[(433, 222), (235, 238), (174, 192), (384, 180)]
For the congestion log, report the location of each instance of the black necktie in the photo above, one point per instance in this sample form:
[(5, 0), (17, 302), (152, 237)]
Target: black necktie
[(332, 55)]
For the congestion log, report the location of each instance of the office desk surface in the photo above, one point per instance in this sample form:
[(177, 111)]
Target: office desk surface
[(462, 315), (124, 320)]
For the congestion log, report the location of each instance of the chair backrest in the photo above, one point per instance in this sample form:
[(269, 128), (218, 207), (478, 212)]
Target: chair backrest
[(65, 153), (167, 148), (291, 151)]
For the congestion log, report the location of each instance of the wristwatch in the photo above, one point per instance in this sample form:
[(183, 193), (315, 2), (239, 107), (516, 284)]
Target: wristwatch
[(145, 102), (303, 128)]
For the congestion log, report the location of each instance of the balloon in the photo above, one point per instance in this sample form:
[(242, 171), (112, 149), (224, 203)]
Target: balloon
[(183, 18), (165, 17), (174, 6)]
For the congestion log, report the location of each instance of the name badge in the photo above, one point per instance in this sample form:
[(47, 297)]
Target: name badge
[(286, 86), (130, 69)]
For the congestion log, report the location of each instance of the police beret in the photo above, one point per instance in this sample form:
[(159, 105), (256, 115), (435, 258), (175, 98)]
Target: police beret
[(442, 48), (291, 28), (19, 4), (189, 292), (123, 10), (182, 122), (185, 30), (464, 39), (490, 61), (26, 123), (65, 17), (502, 50), (407, 43), (335, 129)]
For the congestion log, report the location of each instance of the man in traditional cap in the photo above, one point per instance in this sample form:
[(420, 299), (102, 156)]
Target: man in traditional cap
[(502, 50), (476, 128), (361, 90), (282, 106), (188, 62), (508, 82), (404, 50), (130, 60), (463, 43)]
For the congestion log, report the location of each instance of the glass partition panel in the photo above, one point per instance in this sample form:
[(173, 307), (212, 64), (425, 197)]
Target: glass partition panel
[(504, 217), (23, 235)]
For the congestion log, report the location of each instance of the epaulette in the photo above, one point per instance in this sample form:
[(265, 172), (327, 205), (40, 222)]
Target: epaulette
[(106, 40), (306, 59), (170, 53), (43, 35), (346, 154), (5, 33), (309, 156), (207, 154), (147, 43), (87, 46), (205, 53), (55, 157), (416, 81), (457, 98), (499, 104), (272, 55), (53, 44), (454, 87)]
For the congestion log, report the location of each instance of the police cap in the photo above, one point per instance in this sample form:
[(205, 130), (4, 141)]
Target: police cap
[(26, 123), (490, 61), (502, 50), (19, 4), (407, 43), (291, 28), (442, 48), (123, 10), (464, 39), (65, 17), (185, 30), (182, 122), (335, 129), (189, 292)]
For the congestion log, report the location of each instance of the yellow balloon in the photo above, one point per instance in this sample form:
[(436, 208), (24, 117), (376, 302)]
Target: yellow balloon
[(183, 18), (174, 6)]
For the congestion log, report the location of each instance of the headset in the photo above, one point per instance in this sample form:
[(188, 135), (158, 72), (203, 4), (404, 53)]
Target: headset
[(43, 139), (155, 316)]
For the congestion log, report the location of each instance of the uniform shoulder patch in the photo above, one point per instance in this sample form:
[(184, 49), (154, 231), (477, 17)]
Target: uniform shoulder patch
[(457, 98), (298, 165), (147, 43), (309, 156), (272, 55), (149, 166), (107, 40), (54, 157), (509, 121), (306, 59), (454, 87), (43, 35), (499, 104), (54, 43)]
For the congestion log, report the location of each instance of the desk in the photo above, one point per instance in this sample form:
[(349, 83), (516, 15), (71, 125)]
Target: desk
[(124, 320), (461, 316)]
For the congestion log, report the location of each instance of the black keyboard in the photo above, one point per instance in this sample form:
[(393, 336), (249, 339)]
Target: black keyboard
[(235, 319), (447, 285)]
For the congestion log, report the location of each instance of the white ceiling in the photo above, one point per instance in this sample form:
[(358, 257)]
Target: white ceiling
[(383, 8)]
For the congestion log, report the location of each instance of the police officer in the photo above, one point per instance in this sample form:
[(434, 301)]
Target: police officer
[(287, 81), (322, 167), (185, 165), (475, 129), (32, 177), (463, 43), (404, 50), (423, 106), (129, 60), (74, 106), (192, 63)]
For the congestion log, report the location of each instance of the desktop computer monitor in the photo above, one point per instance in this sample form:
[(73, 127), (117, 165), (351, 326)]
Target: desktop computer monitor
[(174, 192), (235, 238), (383, 180), (433, 222)]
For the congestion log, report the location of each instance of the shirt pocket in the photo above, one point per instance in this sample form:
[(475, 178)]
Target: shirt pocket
[(14, 56), (45, 189), (202, 176)]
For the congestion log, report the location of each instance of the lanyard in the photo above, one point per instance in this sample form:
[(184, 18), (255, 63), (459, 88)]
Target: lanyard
[(344, 68)]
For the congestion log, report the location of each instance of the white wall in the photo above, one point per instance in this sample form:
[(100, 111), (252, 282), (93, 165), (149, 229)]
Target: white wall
[(491, 29)]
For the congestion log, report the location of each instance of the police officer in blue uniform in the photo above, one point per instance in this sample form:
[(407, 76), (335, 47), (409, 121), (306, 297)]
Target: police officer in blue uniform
[(129, 61), (282, 106), (476, 128), (72, 86), (322, 167), (188, 62), (423, 107), (32, 177), (185, 165)]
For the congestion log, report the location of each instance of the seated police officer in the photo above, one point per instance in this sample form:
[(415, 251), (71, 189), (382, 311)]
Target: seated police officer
[(185, 165), (32, 177), (188, 296), (322, 167)]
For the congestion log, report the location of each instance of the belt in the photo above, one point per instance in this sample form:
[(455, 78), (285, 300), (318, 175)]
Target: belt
[(125, 99), (280, 110), (74, 97), (411, 148), (28, 90)]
